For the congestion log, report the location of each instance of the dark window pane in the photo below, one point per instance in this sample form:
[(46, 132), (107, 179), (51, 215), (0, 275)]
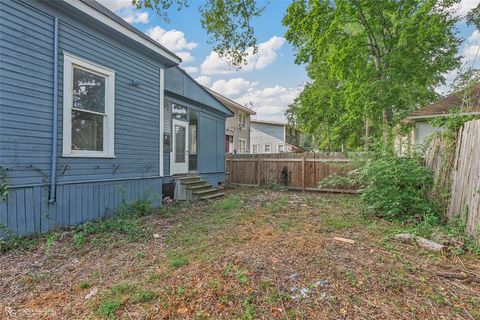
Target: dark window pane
[(88, 91), (87, 131), (180, 144)]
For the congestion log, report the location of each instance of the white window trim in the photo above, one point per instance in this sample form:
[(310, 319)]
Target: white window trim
[(253, 148), (278, 148), (242, 124), (69, 61), (265, 148), (161, 121), (240, 146)]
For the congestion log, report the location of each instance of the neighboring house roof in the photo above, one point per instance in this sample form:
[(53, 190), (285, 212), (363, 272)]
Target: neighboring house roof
[(229, 103), (275, 123), (97, 11), (444, 106)]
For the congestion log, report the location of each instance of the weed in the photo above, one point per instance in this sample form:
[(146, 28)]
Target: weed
[(177, 259), (248, 310), (51, 239), (229, 203), (121, 288), (241, 276), (109, 307), (277, 205), (141, 255), (84, 285), (144, 296)]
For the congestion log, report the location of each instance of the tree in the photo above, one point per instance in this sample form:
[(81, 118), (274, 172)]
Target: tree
[(228, 23), (370, 62)]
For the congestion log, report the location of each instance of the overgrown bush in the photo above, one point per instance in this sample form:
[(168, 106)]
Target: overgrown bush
[(395, 188)]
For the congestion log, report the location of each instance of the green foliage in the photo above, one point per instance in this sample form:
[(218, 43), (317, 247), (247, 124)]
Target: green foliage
[(229, 203), (108, 308), (84, 285), (227, 22), (144, 296), (370, 62), (127, 221), (177, 259), (3, 184), (398, 188), (395, 188)]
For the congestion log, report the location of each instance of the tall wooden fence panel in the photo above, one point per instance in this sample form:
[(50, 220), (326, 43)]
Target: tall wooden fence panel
[(465, 190), (291, 170)]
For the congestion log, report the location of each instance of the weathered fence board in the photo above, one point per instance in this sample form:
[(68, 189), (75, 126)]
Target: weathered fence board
[(460, 175), (290, 170), (465, 190)]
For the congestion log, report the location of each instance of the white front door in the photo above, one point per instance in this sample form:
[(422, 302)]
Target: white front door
[(179, 156)]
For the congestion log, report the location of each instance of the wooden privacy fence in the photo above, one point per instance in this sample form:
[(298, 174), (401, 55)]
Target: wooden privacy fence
[(461, 177), (294, 171)]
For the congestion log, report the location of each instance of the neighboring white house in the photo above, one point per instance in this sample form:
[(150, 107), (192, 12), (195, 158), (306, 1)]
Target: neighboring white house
[(469, 103), (237, 128), (273, 137)]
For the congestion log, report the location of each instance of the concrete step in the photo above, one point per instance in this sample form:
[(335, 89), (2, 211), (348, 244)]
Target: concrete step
[(203, 192), (212, 196), (199, 186), (187, 178), (193, 182)]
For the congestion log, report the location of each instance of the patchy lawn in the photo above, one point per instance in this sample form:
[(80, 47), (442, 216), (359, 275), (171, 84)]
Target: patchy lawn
[(257, 254)]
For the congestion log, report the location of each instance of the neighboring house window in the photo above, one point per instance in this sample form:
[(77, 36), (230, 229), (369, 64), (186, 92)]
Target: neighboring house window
[(242, 120), (255, 148), (281, 148), (268, 148), (88, 109), (242, 146)]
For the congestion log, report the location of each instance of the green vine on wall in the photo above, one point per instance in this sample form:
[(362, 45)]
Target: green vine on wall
[(3, 184)]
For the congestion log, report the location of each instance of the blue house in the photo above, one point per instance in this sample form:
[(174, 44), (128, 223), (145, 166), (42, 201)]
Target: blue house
[(93, 113)]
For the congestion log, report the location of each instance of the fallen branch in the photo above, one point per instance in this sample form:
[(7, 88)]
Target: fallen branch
[(421, 242)]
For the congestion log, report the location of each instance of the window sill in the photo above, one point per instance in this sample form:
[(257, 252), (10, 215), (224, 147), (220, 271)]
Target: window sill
[(85, 155)]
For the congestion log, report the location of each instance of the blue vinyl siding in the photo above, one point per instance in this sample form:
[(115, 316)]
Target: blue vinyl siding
[(87, 188), (27, 210)]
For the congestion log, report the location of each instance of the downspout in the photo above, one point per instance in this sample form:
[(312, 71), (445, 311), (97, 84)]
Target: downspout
[(53, 172)]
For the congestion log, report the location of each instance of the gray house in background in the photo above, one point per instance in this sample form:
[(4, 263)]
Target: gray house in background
[(273, 137), (237, 130), (93, 114)]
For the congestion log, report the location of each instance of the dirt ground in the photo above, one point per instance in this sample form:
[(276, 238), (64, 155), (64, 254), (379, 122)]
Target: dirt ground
[(257, 254)]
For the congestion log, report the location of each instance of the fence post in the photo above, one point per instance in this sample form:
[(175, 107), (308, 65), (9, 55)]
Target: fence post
[(303, 174)]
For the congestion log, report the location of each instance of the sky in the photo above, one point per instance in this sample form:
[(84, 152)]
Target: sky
[(271, 80)]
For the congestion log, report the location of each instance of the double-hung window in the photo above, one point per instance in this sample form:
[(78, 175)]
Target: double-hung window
[(255, 148), (281, 148), (88, 109), (242, 144), (242, 120), (268, 148)]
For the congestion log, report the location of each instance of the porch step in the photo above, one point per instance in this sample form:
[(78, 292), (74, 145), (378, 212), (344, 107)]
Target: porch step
[(204, 192), (212, 196), (200, 186), (188, 180)]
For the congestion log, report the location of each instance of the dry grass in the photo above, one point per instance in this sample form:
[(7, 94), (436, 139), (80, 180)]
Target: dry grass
[(249, 256)]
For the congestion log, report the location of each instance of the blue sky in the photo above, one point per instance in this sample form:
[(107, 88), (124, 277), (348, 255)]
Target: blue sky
[(271, 80)]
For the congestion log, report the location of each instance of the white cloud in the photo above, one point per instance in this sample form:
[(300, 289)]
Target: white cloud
[(132, 16), (266, 54), (231, 87), (204, 80), (127, 11), (115, 5), (191, 69), (173, 40), (464, 6)]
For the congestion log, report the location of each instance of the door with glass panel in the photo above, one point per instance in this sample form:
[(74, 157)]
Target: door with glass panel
[(180, 147)]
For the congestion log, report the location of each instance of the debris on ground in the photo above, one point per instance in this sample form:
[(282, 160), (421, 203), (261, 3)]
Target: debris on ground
[(350, 241), (91, 294), (421, 242)]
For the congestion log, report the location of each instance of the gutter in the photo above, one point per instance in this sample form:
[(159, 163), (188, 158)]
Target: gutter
[(53, 172), (439, 115)]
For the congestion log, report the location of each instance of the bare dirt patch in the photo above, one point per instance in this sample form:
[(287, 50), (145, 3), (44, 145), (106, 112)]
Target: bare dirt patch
[(257, 254)]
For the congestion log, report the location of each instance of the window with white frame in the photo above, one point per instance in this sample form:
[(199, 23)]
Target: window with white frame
[(281, 148), (242, 146), (88, 109), (255, 148), (268, 148), (242, 120)]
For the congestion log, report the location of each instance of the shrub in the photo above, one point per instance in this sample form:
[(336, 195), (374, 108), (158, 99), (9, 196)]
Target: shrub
[(394, 188), (397, 188)]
